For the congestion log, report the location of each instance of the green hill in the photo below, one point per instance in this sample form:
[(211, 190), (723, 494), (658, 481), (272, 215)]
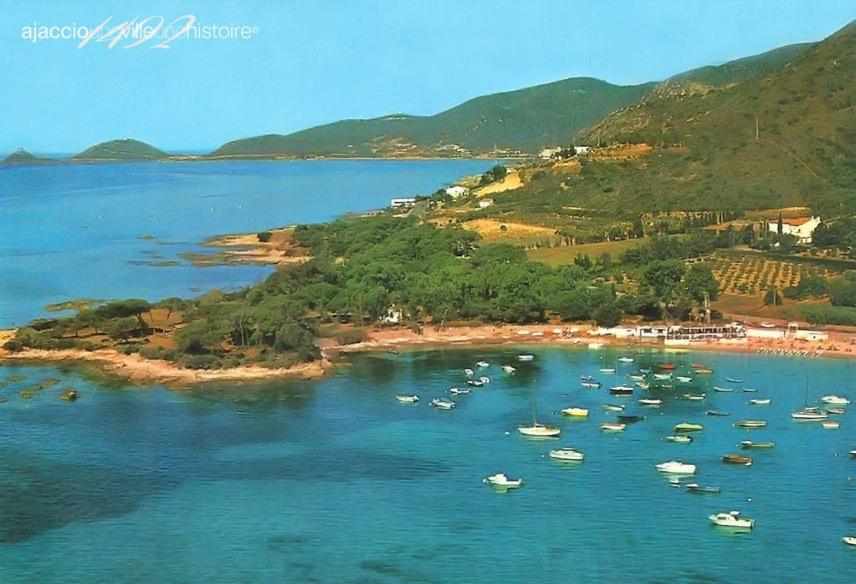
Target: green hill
[(526, 120), (21, 156), (125, 149), (745, 68), (707, 151)]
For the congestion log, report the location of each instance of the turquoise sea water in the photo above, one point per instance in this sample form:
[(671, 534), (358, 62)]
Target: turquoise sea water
[(333, 481), (94, 230)]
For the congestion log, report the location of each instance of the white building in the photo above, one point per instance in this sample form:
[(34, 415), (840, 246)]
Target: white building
[(548, 153), (579, 150), (402, 203), (485, 203), (800, 227), (457, 191)]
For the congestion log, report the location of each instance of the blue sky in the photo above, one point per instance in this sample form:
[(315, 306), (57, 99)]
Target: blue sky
[(313, 62)]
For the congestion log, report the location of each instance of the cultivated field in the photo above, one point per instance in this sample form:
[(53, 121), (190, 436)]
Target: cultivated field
[(750, 275), (557, 256)]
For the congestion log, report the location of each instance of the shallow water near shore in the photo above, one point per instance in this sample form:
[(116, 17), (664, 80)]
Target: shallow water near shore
[(104, 231), (334, 481)]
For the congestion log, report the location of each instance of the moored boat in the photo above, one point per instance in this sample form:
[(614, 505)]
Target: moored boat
[(666, 366), (650, 402), (722, 389), (703, 371), (629, 418), (625, 359), (607, 370), (835, 400), (695, 396), (702, 490), (590, 384), (759, 402), (737, 459), (750, 424), (482, 364), (684, 379), (509, 369), (407, 399), (526, 357), (734, 380), (459, 391), (567, 454), (613, 407), (830, 425), (679, 439), (612, 427), (537, 430), (747, 444), (662, 376), (716, 413), (475, 382), (575, 412), (835, 411), (849, 539), (469, 372), (502, 481), (688, 427), (443, 403), (732, 519), (809, 415), (676, 467), (621, 390)]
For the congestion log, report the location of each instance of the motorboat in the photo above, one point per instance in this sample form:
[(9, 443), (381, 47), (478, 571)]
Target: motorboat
[(482, 364), (459, 391), (716, 413), (703, 371), (643, 385), (750, 424), (537, 430), (645, 370), (835, 400), (722, 389), (484, 379), (508, 369), (500, 480), (759, 402), (613, 408), (634, 377), (621, 390), (407, 399), (567, 454), (612, 427), (679, 439), (695, 396), (747, 444), (662, 376), (469, 372), (688, 427), (443, 403), (702, 490), (809, 415), (651, 403), (849, 539), (666, 366), (676, 467), (830, 425), (684, 379), (595, 346), (475, 382), (750, 390), (526, 357), (737, 459), (732, 519), (835, 411), (852, 453), (629, 418), (575, 412), (625, 359), (608, 370), (590, 384), (734, 380)]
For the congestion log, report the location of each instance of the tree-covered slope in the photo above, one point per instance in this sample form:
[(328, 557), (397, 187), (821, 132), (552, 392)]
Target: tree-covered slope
[(125, 149)]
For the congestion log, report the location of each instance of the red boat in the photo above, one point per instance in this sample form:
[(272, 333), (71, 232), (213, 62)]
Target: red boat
[(666, 366)]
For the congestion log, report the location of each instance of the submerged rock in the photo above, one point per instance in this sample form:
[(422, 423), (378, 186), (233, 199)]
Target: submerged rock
[(70, 395)]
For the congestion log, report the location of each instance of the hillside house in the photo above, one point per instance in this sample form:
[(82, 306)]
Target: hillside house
[(800, 227), (485, 203), (582, 150), (403, 203), (457, 191)]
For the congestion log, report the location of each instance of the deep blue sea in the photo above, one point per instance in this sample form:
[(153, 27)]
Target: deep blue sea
[(95, 230), (333, 481)]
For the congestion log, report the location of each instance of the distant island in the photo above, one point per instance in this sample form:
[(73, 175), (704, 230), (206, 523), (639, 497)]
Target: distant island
[(125, 149), (21, 156)]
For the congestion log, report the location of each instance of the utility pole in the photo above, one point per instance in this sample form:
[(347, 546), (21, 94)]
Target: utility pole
[(757, 130)]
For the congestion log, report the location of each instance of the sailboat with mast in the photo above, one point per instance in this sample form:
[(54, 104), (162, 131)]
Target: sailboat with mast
[(538, 430), (809, 413)]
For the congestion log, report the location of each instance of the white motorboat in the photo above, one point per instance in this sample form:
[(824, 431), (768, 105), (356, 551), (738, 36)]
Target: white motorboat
[(679, 439), (482, 364), (652, 403), (747, 444), (684, 379), (639, 377), (835, 411), (613, 427), (722, 389), (688, 427), (621, 390), (663, 376), (407, 399), (567, 454), (595, 346), (809, 415), (695, 397), (625, 359), (835, 400), (509, 369), (502, 481), (613, 408), (459, 391), (750, 424), (537, 430), (607, 370), (849, 539), (484, 379), (590, 384), (750, 390), (526, 357), (469, 372), (759, 402), (676, 467), (443, 403), (732, 519), (575, 412), (830, 425), (475, 382)]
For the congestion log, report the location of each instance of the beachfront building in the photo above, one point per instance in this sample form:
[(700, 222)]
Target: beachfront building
[(582, 150), (403, 203), (706, 332), (550, 153), (457, 191), (800, 227)]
